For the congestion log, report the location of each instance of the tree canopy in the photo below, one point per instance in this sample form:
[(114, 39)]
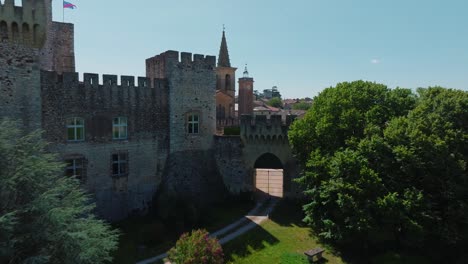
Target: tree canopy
[(383, 165), (44, 216), (275, 102)]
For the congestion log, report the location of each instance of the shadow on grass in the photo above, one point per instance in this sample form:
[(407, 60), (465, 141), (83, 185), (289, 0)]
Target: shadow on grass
[(254, 240), (288, 213), (147, 236)]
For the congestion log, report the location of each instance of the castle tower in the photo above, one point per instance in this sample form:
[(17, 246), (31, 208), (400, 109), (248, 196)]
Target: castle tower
[(246, 94), (225, 84)]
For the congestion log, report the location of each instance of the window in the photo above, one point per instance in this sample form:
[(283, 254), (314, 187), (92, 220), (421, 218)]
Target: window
[(119, 164), (75, 129), (193, 123), (75, 168), (119, 128)]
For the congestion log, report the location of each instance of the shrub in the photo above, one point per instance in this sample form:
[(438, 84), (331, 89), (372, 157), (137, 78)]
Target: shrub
[(196, 248)]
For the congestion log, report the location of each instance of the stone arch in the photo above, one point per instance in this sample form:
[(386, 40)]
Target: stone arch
[(269, 176), (36, 34), (3, 30), (268, 161), (15, 32), (26, 33), (227, 83), (268, 138)]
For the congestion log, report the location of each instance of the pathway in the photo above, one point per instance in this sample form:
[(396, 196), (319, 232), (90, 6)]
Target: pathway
[(253, 218)]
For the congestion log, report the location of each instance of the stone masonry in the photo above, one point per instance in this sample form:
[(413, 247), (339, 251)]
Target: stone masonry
[(146, 141)]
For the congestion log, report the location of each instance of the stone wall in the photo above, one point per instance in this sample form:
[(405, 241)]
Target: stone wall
[(231, 165), (262, 135), (146, 146), (20, 84), (58, 52)]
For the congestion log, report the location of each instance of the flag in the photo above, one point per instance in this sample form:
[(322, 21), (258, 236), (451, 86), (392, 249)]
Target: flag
[(68, 5)]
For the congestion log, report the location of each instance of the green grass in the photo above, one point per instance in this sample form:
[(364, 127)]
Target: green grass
[(145, 237), (282, 239)]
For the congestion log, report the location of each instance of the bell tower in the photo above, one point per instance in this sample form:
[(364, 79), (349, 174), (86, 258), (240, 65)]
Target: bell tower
[(225, 83)]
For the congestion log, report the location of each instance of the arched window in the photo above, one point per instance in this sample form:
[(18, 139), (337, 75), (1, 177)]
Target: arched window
[(15, 32), (26, 33), (36, 34), (228, 82), (3, 31)]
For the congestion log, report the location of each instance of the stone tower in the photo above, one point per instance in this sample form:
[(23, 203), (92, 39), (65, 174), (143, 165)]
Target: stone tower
[(246, 94), (225, 84)]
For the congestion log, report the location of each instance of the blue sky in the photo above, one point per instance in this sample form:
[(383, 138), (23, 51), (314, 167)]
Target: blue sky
[(301, 46)]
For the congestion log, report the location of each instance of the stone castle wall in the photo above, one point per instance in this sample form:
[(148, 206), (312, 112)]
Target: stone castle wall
[(58, 52), (20, 84), (143, 104)]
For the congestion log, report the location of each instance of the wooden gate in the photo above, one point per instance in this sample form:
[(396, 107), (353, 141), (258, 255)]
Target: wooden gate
[(269, 182)]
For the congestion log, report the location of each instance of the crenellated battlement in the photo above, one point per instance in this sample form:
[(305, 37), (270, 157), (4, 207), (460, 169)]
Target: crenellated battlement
[(162, 65), (109, 94), (26, 24), (262, 126)]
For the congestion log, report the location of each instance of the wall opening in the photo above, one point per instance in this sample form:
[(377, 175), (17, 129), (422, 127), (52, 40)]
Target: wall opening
[(228, 82), (268, 178), (15, 32), (3, 31), (26, 33)]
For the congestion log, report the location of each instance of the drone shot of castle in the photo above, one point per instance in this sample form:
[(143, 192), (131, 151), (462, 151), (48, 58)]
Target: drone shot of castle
[(190, 163)]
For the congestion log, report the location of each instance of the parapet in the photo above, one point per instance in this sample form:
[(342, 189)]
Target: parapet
[(160, 65), (26, 24), (262, 125), (108, 80)]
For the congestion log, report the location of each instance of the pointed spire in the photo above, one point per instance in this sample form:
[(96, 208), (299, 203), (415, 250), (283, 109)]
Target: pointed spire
[(223, 58)]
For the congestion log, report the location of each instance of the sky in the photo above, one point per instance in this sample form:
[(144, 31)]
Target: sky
[(301, 46)]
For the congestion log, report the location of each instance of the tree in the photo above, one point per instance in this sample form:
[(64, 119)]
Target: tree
[(385, 165), (275, 102), (301, 106), (196, 247), (44, 216)]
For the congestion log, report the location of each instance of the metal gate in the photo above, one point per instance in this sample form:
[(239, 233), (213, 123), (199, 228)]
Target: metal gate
[(269, 181)]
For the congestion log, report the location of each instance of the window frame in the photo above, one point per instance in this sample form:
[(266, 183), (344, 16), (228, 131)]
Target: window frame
[(119, 161), (77, 163), (119, 126), (192, 124), (75, 128)]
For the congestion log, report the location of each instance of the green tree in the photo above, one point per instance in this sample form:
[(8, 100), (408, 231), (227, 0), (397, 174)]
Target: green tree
[(330, 141), (301, 106), (275, 102), (44, 216), (386, 165)]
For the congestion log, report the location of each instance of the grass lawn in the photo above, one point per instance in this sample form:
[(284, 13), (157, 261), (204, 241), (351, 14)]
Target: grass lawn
[(282, 239), (144, 237)]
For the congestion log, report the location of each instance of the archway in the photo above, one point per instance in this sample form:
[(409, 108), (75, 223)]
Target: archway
[(268, 177)]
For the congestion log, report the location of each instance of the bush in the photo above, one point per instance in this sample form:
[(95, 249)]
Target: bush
[(195, 248)]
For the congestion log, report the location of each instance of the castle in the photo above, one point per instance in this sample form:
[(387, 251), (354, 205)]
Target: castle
[(147, 138)]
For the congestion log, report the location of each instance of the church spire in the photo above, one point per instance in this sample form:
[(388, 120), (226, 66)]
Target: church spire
[(223, 58)]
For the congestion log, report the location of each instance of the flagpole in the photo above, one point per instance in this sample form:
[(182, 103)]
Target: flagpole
[(63, 10)]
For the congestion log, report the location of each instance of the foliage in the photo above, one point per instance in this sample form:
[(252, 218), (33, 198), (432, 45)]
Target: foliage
[(301, 106), (44, 216), (196, 247), (232, 131), (275, 102), (386, 165)]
